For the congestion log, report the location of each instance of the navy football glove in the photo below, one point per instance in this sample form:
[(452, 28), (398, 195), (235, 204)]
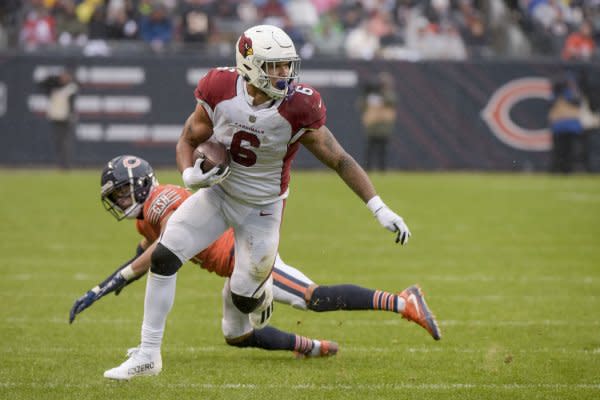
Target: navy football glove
[(81, 304), (116, 284)]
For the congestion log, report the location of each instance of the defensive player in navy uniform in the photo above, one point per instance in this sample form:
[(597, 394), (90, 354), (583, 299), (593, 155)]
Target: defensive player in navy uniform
[(258, 112)]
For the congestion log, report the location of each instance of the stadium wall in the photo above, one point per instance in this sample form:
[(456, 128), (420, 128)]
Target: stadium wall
[(451, 115)]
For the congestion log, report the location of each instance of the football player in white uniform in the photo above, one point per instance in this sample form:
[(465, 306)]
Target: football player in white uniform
[(258, 112), (130, 190)]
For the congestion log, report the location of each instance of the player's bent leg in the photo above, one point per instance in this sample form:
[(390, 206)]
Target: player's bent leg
[(139, 363), (256, 231), (290, 286), (270, 338), (416, 310)]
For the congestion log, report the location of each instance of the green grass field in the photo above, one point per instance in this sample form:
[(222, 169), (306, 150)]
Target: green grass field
[(510, 265)]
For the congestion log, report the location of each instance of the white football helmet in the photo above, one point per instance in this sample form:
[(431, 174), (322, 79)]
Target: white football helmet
[(264, 46)]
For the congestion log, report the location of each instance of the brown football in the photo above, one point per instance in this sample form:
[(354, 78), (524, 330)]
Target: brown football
[(214, 154)]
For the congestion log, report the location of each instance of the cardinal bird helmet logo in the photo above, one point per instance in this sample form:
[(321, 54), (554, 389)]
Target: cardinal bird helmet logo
[(245, 46)]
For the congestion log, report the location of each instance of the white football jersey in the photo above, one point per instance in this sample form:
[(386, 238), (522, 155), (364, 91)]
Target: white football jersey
[(262, 140)]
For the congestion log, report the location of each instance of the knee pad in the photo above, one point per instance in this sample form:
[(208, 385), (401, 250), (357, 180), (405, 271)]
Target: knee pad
[(164, 261), (246, 304)]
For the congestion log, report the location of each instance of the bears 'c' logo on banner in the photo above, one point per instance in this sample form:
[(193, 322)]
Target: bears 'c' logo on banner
[(245, 46), (497, 114)]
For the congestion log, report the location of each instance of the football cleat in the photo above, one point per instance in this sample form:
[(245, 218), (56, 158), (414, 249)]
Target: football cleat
[(416, 310), (139, 363), (326, 349)]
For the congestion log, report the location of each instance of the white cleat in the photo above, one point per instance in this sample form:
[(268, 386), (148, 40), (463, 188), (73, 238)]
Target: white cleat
[(138, 364)]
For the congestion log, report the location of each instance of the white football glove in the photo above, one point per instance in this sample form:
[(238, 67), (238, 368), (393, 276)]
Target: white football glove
[(194, 178), (389, 219)]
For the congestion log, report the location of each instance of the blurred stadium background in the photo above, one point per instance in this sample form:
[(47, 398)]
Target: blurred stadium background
[(472, 78)]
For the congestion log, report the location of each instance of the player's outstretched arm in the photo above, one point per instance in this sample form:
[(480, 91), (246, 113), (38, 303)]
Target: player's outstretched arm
[(128, 272), (326, 148)]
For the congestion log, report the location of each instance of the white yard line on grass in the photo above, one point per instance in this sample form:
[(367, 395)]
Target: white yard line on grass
[(338, 387), (348, 349), (352, 322)]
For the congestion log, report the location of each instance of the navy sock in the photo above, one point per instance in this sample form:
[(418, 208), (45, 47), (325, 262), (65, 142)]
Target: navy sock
[(350, 297), (269, 338)]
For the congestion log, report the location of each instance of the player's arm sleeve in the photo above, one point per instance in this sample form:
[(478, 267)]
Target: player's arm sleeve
[(309, 112)]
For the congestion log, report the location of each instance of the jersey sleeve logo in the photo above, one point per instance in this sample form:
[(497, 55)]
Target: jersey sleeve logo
[(245, 46), (161, 204)]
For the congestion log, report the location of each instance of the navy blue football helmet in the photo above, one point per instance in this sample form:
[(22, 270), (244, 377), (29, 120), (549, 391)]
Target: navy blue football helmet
[(126, 184)]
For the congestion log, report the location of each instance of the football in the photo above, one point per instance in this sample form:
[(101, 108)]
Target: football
[(214, 154)]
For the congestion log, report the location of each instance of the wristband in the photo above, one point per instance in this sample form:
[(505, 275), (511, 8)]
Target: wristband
[(127, 273), (375, 204)]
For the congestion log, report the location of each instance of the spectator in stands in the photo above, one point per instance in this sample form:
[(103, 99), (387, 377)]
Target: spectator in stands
[(61, 90), (69, 28), (436, 41), (565, 123), (272, 9), (98, 34), (550, 21), (328, 35), (472, 28), (579, 45), (86, 8), (196, 25), (302, 14), (120, 21), (39, 27), (362, 42), (378, 107), (247, 12), (9, 22), (157, 28)]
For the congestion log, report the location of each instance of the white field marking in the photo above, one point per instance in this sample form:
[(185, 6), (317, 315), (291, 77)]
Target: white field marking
[(336, 322), (18, 293), (347, 350), (337, 387), (523, 279), (462, 350), (439, 278), (579, 197)]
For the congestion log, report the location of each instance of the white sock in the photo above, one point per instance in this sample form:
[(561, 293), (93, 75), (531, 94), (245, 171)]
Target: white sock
[(316, 350), (160, 294), (400, 304)]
